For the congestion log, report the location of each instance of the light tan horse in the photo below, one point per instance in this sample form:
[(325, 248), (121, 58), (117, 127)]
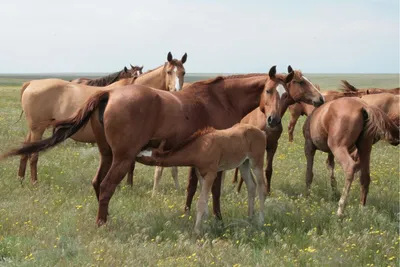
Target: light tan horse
[(67, 98), (387, 102), (112, 78), (211, 151), (346, 128)]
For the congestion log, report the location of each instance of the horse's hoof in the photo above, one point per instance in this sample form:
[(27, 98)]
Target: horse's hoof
[(100, 222)]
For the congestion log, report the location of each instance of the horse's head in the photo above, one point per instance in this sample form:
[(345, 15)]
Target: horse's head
[(174, 72), (136, 70), (270, 99), (302, 89)]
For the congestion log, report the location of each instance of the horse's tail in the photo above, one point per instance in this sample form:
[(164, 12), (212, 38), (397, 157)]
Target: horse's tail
[(379, 126), (24, 86), (65, 128)]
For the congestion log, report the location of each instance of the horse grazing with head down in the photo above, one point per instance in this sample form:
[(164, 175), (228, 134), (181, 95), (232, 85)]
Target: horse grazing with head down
[(133, 118), (347, 87), (67, 98), (112, 78), (346, 128), (210, 151)]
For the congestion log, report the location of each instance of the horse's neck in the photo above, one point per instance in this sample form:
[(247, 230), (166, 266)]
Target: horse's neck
[(244, 94), (154, 78), (183, 156)]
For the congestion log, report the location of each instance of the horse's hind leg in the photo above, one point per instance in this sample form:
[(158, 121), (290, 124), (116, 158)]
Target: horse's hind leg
[(309, 150), (24, 160), (129, 180), (157, 177), (119, 167), (349, 167), (174, 173), (364, 148), (245, 172), (191, 189), (330, 164), (105, 164), (261, 186), (36, 135), (216, 193)]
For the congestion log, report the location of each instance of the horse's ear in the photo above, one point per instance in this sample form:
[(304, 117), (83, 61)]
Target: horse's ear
[(289, 69), (131, 66), (183, 60), (141, 68), (169, 57), (125, 69), (289, 78), (272, 72), (367, 92)]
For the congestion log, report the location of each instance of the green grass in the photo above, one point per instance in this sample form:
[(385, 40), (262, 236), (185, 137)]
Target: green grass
[(53, 223)]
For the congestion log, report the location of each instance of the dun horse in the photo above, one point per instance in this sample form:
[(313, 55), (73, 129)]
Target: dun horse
[(112, 78), (210, 151), (67, 98), (346, 128), (129, 119)]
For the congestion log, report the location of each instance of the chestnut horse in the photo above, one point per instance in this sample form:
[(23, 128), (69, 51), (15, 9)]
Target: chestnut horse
[(300, 89), (298, 109), (109, 79), (347, 87), (346, 128), (130, 119), (210, 151), (67, 97)]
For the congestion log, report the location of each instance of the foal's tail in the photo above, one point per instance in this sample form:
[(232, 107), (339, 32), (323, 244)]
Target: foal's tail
[(379, 126), (24, 86), (63, 129)]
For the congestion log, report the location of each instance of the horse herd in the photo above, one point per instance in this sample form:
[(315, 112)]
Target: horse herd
[(211, 126)]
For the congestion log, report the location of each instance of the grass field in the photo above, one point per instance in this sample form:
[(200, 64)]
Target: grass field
[(53, 223)]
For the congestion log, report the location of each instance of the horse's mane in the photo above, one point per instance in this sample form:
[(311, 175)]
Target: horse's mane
[(221, 78), (106, 80), (188, 141), (347, 87)]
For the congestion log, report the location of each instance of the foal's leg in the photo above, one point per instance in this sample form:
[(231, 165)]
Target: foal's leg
[(309, 150), (294, 116), (261, 186), (129, 180), (235, 176), (245, 172), (24, 160), (174, 173), (191, 189), (157, 177), (364, 149), (349, 166), (203, 199), (271, 150), (36, 135)]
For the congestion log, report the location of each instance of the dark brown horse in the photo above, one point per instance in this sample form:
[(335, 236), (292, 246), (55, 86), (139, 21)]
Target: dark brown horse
[(112, 78), (130, 119), (346, 128)]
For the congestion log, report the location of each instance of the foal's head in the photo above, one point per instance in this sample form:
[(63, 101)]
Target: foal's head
[(301, 89), (174, 72), (270, 98)]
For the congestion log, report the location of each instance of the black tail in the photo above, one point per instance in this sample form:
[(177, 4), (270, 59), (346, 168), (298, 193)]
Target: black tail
[(64, 129)]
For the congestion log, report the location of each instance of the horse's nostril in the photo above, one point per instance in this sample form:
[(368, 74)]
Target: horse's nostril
[(269, 119), (321, 99)]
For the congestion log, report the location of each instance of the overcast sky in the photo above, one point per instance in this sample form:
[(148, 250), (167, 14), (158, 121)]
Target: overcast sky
[(230, 36)]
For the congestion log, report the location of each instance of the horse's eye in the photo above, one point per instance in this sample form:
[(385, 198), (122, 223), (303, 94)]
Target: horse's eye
[(269, 91), (169, 72), (183, 73)]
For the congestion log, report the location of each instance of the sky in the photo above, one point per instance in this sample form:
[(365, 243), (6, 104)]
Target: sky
[(225, 36)]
